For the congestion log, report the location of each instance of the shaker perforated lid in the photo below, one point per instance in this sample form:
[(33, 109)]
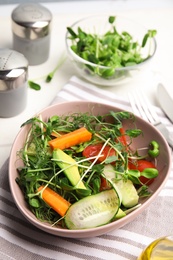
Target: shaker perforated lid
[(31, 21), (13, 69)]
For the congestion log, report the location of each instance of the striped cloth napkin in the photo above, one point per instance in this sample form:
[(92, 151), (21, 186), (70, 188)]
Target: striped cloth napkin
[(20, 240)]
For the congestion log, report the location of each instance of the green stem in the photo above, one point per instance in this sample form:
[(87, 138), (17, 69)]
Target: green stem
[(50, 76)]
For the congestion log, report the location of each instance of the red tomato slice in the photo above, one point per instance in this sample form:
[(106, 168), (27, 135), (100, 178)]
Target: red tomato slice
[(94, 149), (104, 184), (140, 165)]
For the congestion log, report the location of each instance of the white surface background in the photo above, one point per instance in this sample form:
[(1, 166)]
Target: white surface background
[(154, 14)]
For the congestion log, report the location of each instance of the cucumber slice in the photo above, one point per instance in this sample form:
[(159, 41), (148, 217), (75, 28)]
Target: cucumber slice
[(129, 194), (109, 173), (125, 189), (93, 211), (120, 214)]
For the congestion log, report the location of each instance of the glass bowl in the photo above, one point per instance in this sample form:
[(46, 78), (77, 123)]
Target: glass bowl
[(122, 68)]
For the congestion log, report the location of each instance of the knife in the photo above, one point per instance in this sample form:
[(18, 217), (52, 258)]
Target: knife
[(166, 100), (164, 131)]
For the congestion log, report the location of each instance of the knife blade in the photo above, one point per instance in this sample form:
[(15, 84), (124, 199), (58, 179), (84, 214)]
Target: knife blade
[(166, 100), (164, 131)]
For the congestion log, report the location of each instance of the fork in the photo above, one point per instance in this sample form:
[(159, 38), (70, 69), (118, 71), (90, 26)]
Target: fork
[(142, 107)]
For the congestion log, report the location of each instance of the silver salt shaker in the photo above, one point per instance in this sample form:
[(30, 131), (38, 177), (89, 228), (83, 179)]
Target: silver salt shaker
[(13, 82), (31, 27)]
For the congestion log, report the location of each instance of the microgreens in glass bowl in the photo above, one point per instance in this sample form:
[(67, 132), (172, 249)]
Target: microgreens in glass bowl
[(109, 49)]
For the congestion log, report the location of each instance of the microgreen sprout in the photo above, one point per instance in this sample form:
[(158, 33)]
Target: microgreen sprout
[(48, 78)]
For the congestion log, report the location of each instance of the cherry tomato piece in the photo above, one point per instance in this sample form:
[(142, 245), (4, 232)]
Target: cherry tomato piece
[(104, 184), (93, 150), (140, 165)]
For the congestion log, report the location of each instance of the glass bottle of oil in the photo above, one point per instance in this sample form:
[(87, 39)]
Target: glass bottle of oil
[(160, 249)]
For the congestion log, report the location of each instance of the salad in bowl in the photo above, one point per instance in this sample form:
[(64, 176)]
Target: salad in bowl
[(86, 172)]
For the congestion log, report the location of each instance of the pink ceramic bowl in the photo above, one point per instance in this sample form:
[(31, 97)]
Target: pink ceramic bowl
[(150, 133)]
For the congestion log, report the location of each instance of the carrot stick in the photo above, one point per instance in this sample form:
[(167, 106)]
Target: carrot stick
[(78, 136), (54, 200)]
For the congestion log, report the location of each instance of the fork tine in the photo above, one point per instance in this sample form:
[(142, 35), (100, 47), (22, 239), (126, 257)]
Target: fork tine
[(145, 107), (141, 106), (136, 106), (133, 104), (149, 110)]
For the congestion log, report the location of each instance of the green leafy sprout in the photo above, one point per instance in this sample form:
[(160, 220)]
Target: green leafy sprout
[(48, 78)]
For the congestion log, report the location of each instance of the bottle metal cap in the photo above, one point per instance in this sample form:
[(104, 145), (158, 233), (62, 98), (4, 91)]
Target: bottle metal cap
[(31, 21), (13, 69)]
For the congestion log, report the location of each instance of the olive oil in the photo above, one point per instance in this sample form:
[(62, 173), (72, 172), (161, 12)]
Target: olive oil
[(160, 249)]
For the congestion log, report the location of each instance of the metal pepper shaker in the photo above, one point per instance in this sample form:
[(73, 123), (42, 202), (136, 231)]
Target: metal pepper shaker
[(13, 82), (31, 26)]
